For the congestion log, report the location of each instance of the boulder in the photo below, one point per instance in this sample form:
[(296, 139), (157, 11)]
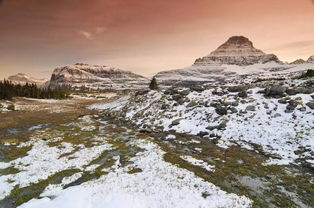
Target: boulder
[(275, 91), (176, 122), (310, 105), (242, 94), (238, 88), (250, 108), (221, 110)]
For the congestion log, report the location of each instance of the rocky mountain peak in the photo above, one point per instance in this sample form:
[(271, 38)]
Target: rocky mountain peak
[(237, 50), (311, 59)]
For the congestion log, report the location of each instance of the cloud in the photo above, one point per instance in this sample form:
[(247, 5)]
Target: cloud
[(294, 45), (86, 34), (102, 29)]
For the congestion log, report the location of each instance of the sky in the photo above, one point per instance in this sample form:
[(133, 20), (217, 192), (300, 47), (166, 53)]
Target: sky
[(145, 36)]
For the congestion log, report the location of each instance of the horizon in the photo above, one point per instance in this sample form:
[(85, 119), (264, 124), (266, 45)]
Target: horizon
[(145, 37)]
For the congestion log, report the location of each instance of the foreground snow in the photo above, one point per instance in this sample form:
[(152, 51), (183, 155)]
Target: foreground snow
[(159, 184)]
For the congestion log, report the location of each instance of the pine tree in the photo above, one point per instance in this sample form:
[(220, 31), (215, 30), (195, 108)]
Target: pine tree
[(153, 84)]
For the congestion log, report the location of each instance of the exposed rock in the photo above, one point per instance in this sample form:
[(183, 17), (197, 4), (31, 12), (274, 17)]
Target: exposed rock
[(250, 108), (221, 110), (275, 91), (191, 104), (238, 88), (242, 94), (202, 133), (176, 122), (277, 115), (310, 105)]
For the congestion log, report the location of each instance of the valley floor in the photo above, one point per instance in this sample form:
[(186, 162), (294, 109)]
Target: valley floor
[(75, 156)]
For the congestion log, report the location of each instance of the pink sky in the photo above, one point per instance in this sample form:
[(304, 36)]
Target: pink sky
[(145, 36)]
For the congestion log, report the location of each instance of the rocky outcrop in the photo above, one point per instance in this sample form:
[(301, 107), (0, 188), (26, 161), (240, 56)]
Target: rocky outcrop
[(97, 77), (238, 50), (311, 60), (22, 79)]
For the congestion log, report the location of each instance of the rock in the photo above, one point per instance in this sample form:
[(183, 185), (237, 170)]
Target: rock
[(145, 131), (202, 133), (310, 105), (302, 109), (238, 88), (250, 108), (221, 126), (233, 110), (231, 103), (191, 104), (176, 122), (197, 88), (291, 91), (277, 115), (290, 108), (221, 110), (180, 101), (219, 92), (242, 94), (164, 107), (284, 100), (184, 92), (275, 91)]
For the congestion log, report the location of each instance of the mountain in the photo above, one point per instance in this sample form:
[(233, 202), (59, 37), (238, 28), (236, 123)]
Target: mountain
[(311, 60), (22, 79), (298, 61), (96, 77), (236, 61), (238, 50)]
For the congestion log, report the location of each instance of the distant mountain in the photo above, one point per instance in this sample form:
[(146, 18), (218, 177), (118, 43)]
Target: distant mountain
[(298, 61), (97, 77), (22, 79), (311, 60), (235, 61), (238, 50)]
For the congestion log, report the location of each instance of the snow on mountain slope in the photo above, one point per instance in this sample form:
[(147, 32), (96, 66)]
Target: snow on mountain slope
[(97, 77), (22, 79), (236, 61)]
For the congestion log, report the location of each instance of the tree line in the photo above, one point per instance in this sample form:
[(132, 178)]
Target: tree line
[(8, 90)]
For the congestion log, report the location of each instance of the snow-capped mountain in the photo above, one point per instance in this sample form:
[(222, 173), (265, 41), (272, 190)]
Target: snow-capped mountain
[(22, 79), (236, 61), (96, 77)]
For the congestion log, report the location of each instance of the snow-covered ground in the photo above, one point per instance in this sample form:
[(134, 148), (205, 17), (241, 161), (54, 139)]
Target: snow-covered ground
[(158, 185), (255, 120)]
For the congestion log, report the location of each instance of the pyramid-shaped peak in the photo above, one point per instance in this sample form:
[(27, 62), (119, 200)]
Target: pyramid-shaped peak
[(238, 40), (237, 50)]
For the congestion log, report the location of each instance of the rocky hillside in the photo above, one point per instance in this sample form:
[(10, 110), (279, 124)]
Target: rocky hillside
[(275, 119), (237, 62), (97, 77), (22, 79)]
